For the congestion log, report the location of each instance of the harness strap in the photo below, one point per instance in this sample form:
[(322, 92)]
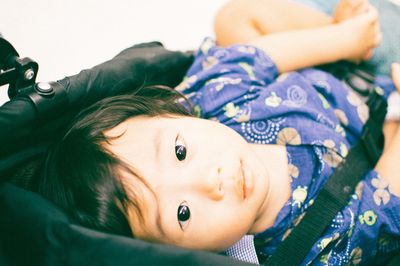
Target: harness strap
[(336, 192)]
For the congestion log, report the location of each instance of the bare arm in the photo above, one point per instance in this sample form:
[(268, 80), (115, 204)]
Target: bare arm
[(242, 20), (305, 48), (295, 36), (388, 165)]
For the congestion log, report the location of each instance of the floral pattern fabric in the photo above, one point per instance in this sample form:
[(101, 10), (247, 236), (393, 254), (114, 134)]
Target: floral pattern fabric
[(318, 119)]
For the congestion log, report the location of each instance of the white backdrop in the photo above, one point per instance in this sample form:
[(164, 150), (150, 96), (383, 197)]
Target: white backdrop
[(65, 36)]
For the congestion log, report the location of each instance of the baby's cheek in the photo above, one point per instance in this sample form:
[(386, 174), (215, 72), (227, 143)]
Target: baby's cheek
[(228, 236), (210, 240)]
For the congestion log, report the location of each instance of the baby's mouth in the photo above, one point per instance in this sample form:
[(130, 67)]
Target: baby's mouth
[(247, 182), (243, 181)]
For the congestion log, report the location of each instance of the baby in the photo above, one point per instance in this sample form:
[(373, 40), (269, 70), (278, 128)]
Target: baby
[(265, 140)]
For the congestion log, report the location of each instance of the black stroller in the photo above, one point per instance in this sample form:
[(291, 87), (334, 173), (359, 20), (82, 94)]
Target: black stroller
[(32, 230)]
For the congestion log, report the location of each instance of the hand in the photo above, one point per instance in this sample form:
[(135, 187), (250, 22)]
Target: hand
[(364, 34), (388, 165), (396, 75)]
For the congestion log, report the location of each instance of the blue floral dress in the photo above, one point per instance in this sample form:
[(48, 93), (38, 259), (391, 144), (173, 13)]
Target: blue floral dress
[(318, 119)]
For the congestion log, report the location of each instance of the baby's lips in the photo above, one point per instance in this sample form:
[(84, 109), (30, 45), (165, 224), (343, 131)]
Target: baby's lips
[(249, 181)]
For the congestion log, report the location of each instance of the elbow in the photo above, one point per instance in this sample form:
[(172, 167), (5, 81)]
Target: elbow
[(234, 25)]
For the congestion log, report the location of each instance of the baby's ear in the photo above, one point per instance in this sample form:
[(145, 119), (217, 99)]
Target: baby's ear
[(396, 75)]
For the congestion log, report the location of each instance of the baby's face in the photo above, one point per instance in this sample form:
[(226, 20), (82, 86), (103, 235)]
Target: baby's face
[(206, 186)]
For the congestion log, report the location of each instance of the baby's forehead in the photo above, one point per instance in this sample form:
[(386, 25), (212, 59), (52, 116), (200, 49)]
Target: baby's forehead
[(122, 127), (143, 210), (135, 131), (143, 121)]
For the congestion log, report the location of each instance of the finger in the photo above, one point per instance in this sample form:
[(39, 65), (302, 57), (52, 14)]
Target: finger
[(362, 7), (396, 75), (378, 39), (354, 3), (373, 14), (377, 26), (368, 55)]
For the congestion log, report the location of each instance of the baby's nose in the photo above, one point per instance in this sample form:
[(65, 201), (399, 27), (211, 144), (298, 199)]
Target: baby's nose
[(211, 184)]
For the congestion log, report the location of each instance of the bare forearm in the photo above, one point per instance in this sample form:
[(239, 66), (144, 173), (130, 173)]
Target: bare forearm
[(241, 20), (297, 49), (295, 36), (388, 165)]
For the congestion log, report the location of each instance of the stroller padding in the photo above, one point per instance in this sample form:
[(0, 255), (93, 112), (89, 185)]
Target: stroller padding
[(35, 232), (24, 124)]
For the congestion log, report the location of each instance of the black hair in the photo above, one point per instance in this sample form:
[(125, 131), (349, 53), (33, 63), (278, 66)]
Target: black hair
[(85, 179)]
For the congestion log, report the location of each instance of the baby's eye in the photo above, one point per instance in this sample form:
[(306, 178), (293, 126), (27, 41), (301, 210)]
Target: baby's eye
[(180, 150), (183, 215)]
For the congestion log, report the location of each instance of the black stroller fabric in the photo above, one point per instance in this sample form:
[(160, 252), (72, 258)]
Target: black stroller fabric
[(35, 232), (26, 124)]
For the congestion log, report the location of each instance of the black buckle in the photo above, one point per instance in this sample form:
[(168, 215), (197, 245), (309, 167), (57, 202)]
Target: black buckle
[(19, 73)]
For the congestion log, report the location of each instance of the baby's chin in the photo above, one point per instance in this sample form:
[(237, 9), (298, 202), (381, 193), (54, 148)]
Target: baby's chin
[(216, 246)]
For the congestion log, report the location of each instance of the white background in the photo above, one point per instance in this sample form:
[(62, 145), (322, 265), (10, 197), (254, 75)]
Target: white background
[(66, 36)]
